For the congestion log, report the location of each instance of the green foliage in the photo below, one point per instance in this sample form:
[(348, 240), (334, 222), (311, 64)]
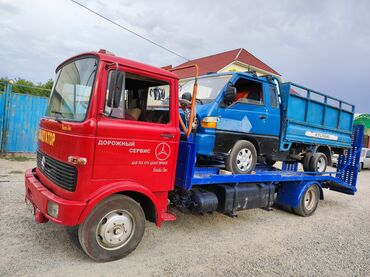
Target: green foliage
[(24, 86), (363, 119), (17, 158)]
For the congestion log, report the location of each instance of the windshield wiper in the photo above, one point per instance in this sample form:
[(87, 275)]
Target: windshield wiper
[(59, 115)]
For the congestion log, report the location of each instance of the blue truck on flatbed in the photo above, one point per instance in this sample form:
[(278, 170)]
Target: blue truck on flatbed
[(242, 118)]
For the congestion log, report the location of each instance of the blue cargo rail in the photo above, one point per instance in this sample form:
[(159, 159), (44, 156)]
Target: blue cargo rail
[(289, 184), (312, 117)]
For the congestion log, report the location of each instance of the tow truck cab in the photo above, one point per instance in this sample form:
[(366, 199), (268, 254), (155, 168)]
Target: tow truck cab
[(94, 143)]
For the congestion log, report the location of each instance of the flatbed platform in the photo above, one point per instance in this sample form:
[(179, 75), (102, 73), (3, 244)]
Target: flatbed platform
[(265, 174), (343, 180)]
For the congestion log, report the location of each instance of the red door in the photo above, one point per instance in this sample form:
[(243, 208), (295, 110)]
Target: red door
[(138, 142)]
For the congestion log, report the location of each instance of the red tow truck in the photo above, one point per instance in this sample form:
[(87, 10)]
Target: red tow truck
[(112, 155)]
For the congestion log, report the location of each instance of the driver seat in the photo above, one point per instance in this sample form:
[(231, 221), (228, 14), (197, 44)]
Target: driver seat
[(134, 112)]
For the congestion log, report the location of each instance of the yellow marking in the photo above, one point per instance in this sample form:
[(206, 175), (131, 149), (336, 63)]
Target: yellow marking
[(66, 127), (47, 137)]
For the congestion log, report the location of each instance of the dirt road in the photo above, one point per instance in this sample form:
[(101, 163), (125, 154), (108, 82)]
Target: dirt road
[(335, 241)]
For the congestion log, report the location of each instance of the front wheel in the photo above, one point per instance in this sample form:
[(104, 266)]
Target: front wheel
[(242, 158), (308, 202), (113, 228)]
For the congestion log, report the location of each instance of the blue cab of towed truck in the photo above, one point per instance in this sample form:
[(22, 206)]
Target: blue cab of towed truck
[(243, 118)]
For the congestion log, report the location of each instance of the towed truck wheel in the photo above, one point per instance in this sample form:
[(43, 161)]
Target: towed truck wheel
[(318, 162), (113, 228), (270, 162), (242, 158), (306, 161), (309, 201)]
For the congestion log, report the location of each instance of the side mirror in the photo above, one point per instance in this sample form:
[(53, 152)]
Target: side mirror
[(230, 94), (115, 88)]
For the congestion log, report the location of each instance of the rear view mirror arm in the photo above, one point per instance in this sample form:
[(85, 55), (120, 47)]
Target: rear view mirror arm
[(114, 86), (193, 100)]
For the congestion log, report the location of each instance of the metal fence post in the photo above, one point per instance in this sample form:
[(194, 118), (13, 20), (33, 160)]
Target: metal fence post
[(2, 114), (5, 116), (2, 111)]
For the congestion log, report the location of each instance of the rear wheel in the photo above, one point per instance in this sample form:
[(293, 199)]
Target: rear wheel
[(308, 202), (318, 162), (306, 161), (360, 167), (242, 158), (113, 228)]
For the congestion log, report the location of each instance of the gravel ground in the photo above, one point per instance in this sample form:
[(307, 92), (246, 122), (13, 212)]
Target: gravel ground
[(335, 241)]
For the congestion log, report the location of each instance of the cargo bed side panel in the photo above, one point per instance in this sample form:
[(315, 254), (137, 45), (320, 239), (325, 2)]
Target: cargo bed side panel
[(310, 117)]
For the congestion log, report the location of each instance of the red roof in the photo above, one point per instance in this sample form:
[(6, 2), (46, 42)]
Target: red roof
[(216, 62)]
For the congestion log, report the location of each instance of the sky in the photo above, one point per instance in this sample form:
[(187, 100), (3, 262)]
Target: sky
[(323, 45)]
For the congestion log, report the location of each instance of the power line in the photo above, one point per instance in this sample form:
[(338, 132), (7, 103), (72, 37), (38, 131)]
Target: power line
[(130, 31)]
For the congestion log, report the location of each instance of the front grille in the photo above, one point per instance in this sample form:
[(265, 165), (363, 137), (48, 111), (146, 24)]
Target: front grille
[(61, 174)]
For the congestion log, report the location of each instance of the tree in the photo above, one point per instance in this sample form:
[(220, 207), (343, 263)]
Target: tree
[(24, 86), (363, 119)]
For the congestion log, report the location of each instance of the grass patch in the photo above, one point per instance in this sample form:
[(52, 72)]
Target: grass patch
[(16, 172), (17, 158)]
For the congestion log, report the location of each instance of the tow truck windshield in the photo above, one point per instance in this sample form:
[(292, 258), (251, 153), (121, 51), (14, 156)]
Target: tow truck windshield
[(208, 87), (71, 93)]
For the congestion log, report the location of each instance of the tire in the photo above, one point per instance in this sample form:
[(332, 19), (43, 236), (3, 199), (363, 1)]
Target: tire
[(306, 161), (103, 234), (242, 158), (308, 202), (318, 162), (270, 162), (361, 166)]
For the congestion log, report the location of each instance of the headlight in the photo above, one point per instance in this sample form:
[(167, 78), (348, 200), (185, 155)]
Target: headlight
[(209, 122), (77, 160), (53, 209)]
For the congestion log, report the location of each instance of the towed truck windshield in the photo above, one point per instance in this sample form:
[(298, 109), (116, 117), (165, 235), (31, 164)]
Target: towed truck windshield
[(208, 87), (71, 92)]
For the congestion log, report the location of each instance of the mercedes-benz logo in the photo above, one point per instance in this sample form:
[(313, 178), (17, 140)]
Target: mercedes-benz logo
[(43, 162), (162, 151)]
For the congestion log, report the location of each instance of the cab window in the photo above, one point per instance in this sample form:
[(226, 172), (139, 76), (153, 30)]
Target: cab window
[(142, 99), (273, 97), (249, 92)]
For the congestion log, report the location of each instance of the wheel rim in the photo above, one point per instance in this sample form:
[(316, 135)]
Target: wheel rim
[(115, 229), (310, 199), (244, 159), (321, 164)]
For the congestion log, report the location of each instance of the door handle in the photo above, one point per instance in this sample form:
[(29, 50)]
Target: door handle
[(262, 116), (167, 136)]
